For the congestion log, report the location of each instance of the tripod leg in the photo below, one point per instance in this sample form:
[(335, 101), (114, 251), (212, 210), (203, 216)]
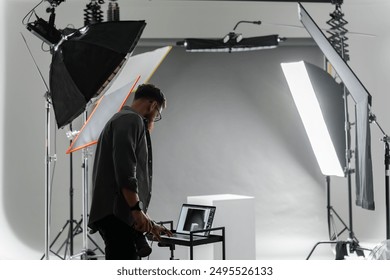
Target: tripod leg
[(96, 245), (315, 246)]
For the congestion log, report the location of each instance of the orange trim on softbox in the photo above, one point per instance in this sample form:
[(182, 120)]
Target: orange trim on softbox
[(70, 149), (146, 73)]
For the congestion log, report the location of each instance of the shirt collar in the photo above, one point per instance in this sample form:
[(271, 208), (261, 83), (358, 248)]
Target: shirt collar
[(128, 108)]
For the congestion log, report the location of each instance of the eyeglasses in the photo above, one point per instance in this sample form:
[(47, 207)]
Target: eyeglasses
[(158, 116)]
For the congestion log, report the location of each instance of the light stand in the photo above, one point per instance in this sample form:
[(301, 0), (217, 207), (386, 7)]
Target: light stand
[(352, 240), (48, 160), (85, 178), (49, 34), (354, 243), (99, 60), (332, 230), (85, 252), (385, 140), (338, 39), (71, 192), (333, 238), (74, 226), (335, 55)]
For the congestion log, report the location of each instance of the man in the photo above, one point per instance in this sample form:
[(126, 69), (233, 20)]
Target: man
[(122, 176)]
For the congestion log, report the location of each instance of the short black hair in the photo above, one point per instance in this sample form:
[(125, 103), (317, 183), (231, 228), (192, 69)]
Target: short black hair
[(149, 91)]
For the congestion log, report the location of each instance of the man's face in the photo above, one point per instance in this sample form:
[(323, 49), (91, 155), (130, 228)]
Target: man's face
[(154, 114)]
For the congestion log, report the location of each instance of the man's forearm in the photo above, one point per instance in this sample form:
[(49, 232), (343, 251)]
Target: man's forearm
[(131, 197)]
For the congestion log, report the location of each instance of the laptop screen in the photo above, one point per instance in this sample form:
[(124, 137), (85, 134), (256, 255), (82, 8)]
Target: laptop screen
[(195, 217)]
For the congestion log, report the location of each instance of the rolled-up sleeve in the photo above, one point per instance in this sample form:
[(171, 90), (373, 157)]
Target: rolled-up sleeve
[(127, 134)]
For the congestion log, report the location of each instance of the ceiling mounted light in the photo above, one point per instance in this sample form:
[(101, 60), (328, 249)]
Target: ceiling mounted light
[(232, 42)]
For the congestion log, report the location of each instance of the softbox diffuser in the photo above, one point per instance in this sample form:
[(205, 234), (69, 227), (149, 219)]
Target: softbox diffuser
[(137, 70), (319, 100), (85, 61)]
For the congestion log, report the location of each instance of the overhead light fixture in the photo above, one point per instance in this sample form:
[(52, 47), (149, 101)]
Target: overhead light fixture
[(232, 42), (233, 38), (319, 100), (248, 44)]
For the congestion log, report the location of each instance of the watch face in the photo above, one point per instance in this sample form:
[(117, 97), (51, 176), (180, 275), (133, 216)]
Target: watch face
[(139, 206)]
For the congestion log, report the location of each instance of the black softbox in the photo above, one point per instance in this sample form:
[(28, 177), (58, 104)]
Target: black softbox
[(85, 60)]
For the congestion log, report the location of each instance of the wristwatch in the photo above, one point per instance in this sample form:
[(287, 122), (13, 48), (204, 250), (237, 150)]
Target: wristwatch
[(139, 206)]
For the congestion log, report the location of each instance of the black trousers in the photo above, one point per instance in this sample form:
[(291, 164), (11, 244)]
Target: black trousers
[(119, 239)]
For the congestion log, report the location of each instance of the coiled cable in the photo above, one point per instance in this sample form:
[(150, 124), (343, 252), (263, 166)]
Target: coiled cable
[(93, 12)]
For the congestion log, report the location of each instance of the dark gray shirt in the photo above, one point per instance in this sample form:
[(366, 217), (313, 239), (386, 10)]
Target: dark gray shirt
[(123, 159)]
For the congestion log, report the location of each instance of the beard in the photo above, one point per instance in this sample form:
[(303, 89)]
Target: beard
[(150, 119)]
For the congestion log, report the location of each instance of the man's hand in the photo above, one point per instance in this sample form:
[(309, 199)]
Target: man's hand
[(157, 230), (143, 223)]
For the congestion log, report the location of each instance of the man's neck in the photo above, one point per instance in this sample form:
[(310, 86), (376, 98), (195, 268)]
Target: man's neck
[(138, 108)]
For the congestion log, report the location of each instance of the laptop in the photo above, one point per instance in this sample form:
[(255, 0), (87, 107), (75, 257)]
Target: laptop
[(194, 217)]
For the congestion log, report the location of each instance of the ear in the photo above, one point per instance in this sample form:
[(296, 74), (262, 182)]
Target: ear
[(153, 106), (150, 106)]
